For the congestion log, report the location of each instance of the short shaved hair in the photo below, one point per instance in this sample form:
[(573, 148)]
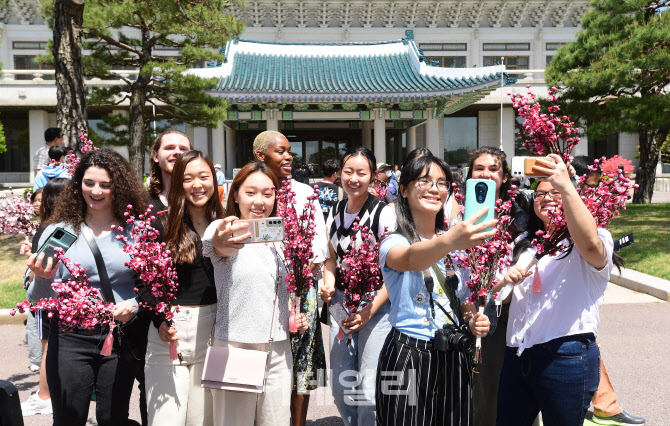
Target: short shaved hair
[(265, 139)]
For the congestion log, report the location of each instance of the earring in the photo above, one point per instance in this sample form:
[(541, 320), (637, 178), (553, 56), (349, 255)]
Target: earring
[(236, 202)]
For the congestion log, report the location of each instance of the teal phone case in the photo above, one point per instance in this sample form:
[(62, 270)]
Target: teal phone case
[(59, 238), (480, 193)]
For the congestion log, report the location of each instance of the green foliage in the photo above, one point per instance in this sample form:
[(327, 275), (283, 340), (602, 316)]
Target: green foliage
[(131, 35), (615, 73), (665, 151)]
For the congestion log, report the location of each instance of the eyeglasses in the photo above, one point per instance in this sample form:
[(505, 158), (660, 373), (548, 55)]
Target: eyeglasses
[(427, 184), (540, 195)]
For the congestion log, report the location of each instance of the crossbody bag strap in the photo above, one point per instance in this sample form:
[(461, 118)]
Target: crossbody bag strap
[(105, 285), (451, 294)]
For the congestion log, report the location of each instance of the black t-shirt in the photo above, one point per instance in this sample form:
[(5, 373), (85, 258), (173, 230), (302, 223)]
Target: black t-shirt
[(328, 196)]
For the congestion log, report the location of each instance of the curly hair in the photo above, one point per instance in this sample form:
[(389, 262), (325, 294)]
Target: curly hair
[(156, 179), (501, 157), (126, 184)]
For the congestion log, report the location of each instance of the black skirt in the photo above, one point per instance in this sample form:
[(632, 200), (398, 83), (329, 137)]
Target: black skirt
[(418, 385)]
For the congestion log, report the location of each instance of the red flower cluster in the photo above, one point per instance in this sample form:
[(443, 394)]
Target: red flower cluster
[(486, 260), (605, 201), (360, 270), (71, 159), (547, 133), (299, 231), (151, 262), (16, 216), (77, 304)]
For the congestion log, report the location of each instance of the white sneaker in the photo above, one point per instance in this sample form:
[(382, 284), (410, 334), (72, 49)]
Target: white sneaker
[(36, 405), (34, 368)]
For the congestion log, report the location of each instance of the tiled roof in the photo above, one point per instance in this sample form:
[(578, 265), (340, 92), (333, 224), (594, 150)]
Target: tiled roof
[(346, 72)]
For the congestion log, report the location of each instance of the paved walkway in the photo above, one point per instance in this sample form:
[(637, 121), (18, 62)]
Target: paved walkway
[(628, 319)]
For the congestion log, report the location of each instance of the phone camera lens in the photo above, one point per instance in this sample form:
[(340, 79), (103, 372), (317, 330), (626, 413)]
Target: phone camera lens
[(59, 234)]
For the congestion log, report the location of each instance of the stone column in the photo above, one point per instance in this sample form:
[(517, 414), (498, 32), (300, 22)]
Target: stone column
[(231, 159), (272, 119), (38, 122), (433, 142), (507, 131), (199, 140), (218, 149), (380, 136), (367, 134), (411, 139)]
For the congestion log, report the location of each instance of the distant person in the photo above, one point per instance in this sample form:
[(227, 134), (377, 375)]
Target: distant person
[(387, 178), (220, 177), (54, 169), (329, 192), (302, 173), (396, 172), (52, 137)]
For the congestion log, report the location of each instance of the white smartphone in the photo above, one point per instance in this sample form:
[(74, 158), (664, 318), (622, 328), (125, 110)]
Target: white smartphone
[(523, 166), (339, 314), (262, 230)]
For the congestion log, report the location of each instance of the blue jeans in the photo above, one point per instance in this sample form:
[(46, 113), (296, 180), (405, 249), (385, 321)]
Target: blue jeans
[(354, 366), (557, 378)]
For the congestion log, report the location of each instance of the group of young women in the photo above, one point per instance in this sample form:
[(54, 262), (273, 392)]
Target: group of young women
[(401, 363)]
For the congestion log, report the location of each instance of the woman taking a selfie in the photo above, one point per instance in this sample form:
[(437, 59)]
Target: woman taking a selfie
[(421, 379), (552, 359), (251, 292), (174, 394), (359, 353), (91, 207)]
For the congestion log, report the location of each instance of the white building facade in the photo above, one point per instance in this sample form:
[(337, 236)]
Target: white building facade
[(522, 35)]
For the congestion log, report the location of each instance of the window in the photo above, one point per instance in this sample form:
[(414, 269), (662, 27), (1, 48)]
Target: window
[(27, 62), (554, 46), (18, 157), (29, 45), (511, 62), (604, 147), (444, 46), (460, 137), (549, 58), (506, 46), (448, 61)]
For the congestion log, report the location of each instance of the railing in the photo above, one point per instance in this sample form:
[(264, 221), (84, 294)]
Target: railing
[(9, 76)]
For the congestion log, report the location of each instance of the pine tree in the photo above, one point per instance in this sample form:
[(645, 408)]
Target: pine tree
[(71, 113), (127, 34), (615, 76)]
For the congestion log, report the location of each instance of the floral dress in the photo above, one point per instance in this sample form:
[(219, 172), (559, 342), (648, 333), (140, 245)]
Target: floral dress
[(309, 357)]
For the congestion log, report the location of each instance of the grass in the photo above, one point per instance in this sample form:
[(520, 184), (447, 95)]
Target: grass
[(12, 267), (650, 224)]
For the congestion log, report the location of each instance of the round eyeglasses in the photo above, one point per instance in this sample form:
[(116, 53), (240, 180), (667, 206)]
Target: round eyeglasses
[(427, 184)]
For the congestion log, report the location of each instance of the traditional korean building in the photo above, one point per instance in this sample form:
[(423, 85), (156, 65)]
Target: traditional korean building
[(326, 97)]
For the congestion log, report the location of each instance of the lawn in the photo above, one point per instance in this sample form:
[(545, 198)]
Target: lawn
[(12, 267), (650, 225)]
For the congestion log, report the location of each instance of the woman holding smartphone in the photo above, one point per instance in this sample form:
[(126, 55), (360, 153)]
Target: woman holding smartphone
[(93, 204), (552, 359), (353, 360), (420, 380), (491, 163), (174, 394), (248, 278)]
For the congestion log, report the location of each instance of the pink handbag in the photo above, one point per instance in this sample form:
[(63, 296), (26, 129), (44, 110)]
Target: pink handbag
[(237, 369)]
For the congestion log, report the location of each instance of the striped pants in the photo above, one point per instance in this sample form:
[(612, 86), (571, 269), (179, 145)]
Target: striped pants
[(417, 385)]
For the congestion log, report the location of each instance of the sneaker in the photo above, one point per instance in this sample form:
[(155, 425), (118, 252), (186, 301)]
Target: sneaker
[(622, 419), (36, 405), (34, 368)]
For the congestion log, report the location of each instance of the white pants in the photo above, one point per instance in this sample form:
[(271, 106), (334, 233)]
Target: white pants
[(174, 395), (274, 405)]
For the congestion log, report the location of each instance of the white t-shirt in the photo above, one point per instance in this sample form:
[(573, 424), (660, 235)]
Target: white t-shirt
[(387, 219), (320, 243), (569, 303)]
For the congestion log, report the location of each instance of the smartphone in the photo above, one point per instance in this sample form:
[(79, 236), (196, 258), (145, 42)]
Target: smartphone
[(339, 314), (523, 166), (480, 193), (263, 230), (59, 238)]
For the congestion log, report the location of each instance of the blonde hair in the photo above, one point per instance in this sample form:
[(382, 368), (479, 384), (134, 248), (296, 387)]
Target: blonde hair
[(264, 140)]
